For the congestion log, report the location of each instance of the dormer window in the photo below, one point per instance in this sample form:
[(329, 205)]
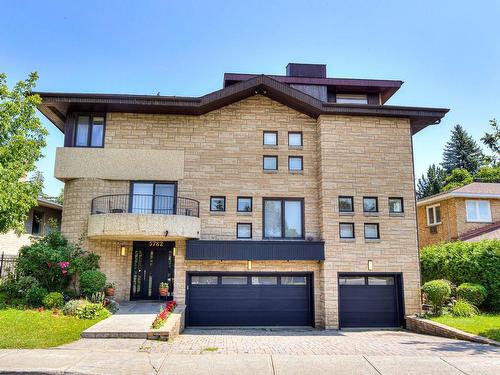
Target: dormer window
[(351, 99), (89, 131)]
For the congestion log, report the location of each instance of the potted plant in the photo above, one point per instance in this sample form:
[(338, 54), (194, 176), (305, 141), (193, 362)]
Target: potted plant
[(109, 289), (163, 289)]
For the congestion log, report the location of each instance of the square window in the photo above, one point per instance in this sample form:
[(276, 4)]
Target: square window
[(203, 280), (352, 280), (372, 232), (244, 204), (234, 280), (270, 163), (295, 163), (346, 204), (396, 205), (346, 230), (295, 139), (217, 203), (243, 230), (370, 204), (264, 280), (293, 280), (270, 138)]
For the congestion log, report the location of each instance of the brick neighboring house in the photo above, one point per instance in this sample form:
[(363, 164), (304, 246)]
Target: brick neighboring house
[(467, 213), (277, 200)]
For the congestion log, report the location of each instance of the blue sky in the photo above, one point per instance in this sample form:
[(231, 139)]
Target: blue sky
[(447, 52)]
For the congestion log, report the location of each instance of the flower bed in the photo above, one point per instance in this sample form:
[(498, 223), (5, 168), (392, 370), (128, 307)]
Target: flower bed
[(161, 318)]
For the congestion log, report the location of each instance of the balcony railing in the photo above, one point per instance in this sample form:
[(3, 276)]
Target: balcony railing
[(145, 204)]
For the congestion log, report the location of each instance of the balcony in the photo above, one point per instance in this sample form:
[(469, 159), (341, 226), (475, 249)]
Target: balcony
[(143, 217)]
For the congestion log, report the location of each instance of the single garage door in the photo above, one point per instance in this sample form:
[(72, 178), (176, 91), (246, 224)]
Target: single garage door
[(226, 299), (369, 301)]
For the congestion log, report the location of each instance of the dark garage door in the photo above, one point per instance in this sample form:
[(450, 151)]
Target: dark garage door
[(249, 300), (369, 301)]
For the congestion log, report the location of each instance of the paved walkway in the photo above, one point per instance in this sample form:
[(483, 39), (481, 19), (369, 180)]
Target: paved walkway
[(258, 352)]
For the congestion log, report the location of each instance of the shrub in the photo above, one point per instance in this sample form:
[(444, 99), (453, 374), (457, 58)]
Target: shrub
[(112, 305), (16, 290), (437, 291), (91, 311), (35, 296), (53, 300), (474, 293), (463, 308), (92, 282), (71, 306), (466, 262)]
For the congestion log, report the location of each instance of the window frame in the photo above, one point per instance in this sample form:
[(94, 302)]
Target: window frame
[(301, 163), (301, 138), (402, 205), (275, 132), (377, 225), (476, 204), (218, 197), (264, 165), (346, 97), (283, 200), (154, 183), (91, 127), (238, 201), (40, 222), (376, 205), (353, 231), (433, 206), (351, 198), (237, 231)]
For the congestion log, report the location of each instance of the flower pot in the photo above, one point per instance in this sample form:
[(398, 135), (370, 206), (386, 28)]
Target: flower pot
[(110, 292), (163, 292)]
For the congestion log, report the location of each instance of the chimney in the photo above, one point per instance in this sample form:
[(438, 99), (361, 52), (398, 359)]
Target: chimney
[(306, 70)]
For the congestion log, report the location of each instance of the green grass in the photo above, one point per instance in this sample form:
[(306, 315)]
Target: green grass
[(486, 325), (30, 329)]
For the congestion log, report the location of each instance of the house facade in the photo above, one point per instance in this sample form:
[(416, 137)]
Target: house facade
[(275, 201), (467, 213)]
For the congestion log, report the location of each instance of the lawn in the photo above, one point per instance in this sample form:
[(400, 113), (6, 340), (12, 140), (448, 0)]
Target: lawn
[(487, 325), (29, 329)]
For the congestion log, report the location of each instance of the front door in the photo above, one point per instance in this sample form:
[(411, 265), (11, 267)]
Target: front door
[(152, 263)]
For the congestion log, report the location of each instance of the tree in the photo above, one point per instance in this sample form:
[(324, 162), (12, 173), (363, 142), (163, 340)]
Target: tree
[(431, 183), (22, 138), (462, 152), (457, 178), (492, 140), (488, 174)]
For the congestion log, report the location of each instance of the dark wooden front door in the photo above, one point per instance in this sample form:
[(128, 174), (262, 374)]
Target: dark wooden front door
[(152, 263)]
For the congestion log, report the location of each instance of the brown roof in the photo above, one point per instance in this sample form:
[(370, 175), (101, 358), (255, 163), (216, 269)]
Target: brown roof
[(488, 231)]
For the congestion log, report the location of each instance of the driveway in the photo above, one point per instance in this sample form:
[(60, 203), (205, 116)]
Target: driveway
[(259, 351)]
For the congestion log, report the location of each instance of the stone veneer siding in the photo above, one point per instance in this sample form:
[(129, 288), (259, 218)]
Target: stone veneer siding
[(342, 155)]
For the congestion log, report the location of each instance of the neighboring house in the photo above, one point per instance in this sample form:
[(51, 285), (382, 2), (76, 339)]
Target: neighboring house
[(37, 224), (467, 213), (277, 200)]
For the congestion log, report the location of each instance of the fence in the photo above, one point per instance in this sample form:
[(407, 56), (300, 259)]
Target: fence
[(7, 264)]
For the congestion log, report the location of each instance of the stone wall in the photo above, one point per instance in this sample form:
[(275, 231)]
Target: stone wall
[(446, 231)]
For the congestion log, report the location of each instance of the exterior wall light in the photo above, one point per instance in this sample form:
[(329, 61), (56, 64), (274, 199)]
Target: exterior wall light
[(370, 265), (123, 250), (249, 264), (174, 251)]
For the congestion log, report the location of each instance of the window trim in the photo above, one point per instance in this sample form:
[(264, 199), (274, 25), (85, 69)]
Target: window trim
[(301, 163), (243, 197), (376, 205), (283, 200), (353, 231), (378, 231), (264, 137), (402, 205), (352, 202), (218, 197), (244, 238), (352, 97), (91, 127), (476, 201), (269, 156), (301, 138), (433, 206)]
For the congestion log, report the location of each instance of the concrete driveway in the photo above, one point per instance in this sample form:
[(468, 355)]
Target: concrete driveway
[(260, 351)]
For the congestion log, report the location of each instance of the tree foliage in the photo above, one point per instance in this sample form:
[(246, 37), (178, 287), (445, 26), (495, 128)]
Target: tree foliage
[(431, 183), (488, 174), (462, 152), (457, 178), (22, 138), (492, 140)]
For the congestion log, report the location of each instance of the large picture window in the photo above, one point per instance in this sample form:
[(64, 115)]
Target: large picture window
[(89, 131), (153, 198), (283, 218), (478, 211)]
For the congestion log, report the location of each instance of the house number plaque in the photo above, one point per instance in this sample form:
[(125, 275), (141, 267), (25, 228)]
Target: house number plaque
[(155, 243)]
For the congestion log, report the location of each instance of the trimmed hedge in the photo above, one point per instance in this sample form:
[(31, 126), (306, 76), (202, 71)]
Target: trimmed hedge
[(465, 262), (438, 292), (474, 293)]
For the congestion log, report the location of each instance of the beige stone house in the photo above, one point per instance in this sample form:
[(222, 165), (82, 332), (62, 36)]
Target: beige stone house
[(467, 213), (275, 201)]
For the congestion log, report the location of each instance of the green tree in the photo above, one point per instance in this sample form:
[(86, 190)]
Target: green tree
[(492, 140), (488, 174), (22, 138), (457, 178), (462, 152), (431, 183)]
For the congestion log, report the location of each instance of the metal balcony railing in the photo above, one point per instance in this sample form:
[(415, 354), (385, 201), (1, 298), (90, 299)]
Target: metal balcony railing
[(145, 204)]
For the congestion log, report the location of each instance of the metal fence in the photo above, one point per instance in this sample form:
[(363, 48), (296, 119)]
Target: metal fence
[(7, 264)]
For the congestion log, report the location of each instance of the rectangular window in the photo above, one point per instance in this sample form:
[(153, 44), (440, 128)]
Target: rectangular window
[(264, 280), (434, 215), (150, 197), (270, 163), (283, 218), (295, 139), (295, 163), (351, 99), (270, 138), (380, 280), (234, 280), (293, 280), (396, 205), (346, 204), (218, 204), (346, 230), (89, 131), (478, 211), (203, 280), (244, 204), (352, 280), (36, 227), (372, 231), (243, 230), (370, 204)]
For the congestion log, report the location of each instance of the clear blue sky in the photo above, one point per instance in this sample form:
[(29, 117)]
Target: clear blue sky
[(447, 52)]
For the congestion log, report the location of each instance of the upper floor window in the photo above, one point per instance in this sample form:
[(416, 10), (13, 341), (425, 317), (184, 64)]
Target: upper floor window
[(89, 131), (370, 204), (283, 218), (434, 214), (346, 204), (151, 198), (244, 204), (295, 139), (217, 203), (270, 163), (352, 99), (295, 163), (396, 205), (270, 138), (478, 211), (372, 231)]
